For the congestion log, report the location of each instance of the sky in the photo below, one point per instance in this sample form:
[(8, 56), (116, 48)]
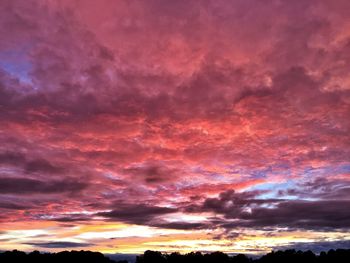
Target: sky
[(174, 125)]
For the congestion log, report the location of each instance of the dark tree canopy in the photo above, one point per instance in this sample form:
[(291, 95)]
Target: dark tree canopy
[(60, 257), (287, 256)]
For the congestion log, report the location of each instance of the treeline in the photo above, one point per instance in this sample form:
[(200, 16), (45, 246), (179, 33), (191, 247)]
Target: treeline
[(60, 257), (287, 256)]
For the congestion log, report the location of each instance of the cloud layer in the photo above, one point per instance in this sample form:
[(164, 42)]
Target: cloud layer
[(198, 116)]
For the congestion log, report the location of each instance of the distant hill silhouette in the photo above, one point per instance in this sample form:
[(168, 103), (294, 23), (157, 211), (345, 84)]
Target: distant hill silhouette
[(287, 256)]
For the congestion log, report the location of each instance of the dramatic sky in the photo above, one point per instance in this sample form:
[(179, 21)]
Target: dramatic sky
[(174, 125)]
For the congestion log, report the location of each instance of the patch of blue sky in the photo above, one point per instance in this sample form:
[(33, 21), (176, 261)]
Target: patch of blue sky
[(17, 64), (271, 190), (20, 71)]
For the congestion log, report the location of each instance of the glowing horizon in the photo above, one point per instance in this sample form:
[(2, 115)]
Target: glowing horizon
[(174, 125)]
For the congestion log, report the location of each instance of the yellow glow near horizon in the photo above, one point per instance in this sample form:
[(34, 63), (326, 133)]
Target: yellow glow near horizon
[(135, 239)]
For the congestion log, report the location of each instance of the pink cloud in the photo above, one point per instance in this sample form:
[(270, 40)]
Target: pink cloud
[(170, 103)]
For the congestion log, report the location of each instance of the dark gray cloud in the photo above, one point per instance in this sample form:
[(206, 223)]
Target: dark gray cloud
[(59, 244), (43, 166), (136, 213), (39, 165), (299, 214), (14, 206), (72, 218), (153, 173), (181, 225), (13, 158), (18, 186), (320, 188), (245, 210)]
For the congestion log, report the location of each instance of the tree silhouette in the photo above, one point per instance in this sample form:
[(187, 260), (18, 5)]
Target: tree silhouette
[(287, 256)]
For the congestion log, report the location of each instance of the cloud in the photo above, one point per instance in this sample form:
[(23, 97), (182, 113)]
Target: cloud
[(153, 173), (247, 211), (59, 244), (20, 186), (15, 206), (181, 225), (301, 214), (235, 109), (72, 218), (42, 165), (321, 188), (136, 213), (38, 165), (11, 158)]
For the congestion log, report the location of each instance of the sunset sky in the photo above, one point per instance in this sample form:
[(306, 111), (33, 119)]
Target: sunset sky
[(174, 125)]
